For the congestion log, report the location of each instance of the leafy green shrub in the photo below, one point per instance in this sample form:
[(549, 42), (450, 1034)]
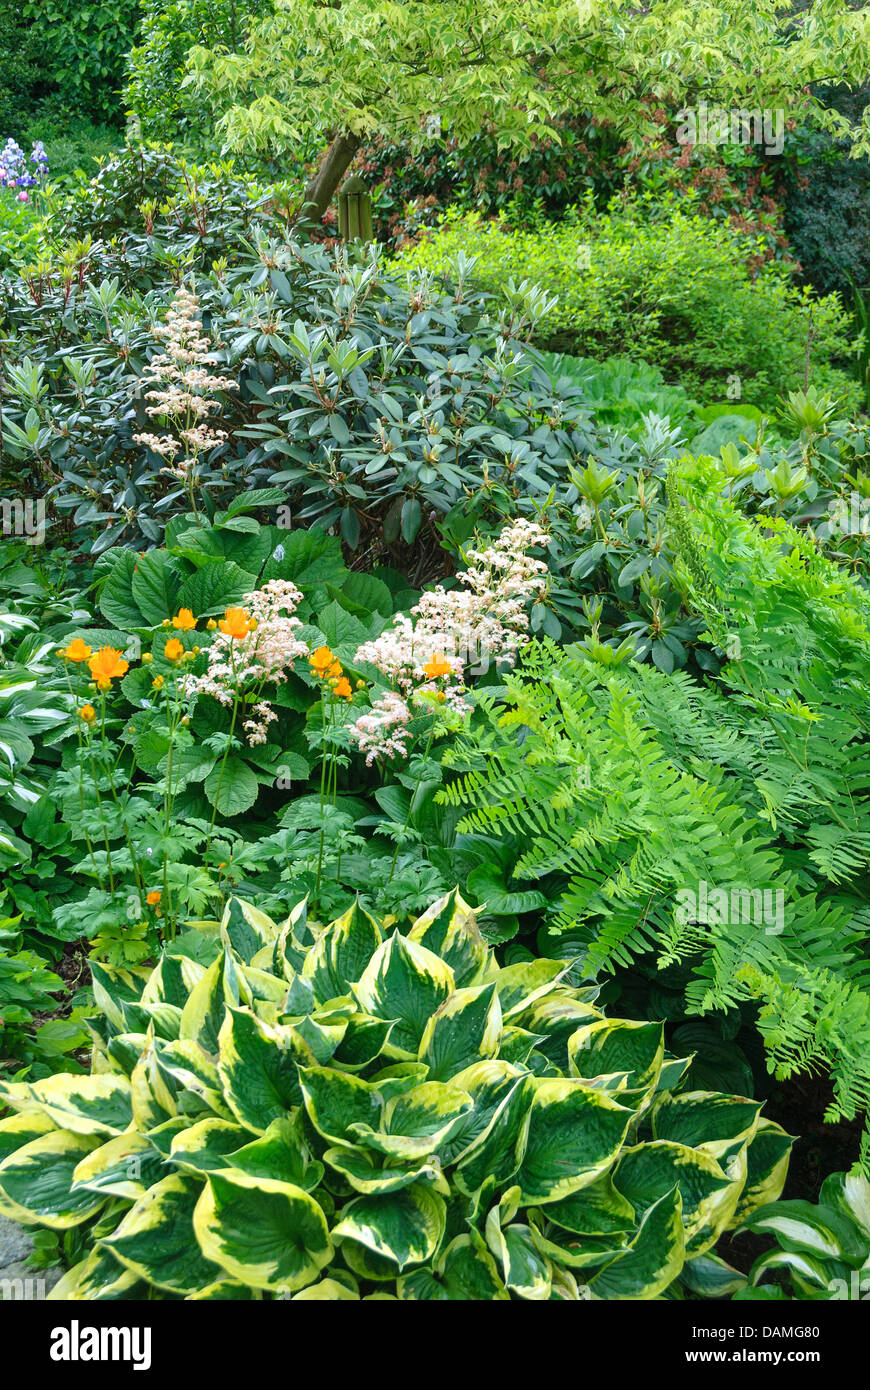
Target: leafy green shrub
[(821, 1249), (377, 405), (336, 1113), (667, 281), (66, 59), (168, 29)]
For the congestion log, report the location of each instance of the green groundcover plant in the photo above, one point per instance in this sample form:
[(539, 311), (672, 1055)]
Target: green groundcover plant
[(339, 1112), (822, 1249)]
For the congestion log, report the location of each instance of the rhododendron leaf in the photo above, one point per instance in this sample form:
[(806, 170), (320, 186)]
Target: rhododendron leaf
[(231, 787)]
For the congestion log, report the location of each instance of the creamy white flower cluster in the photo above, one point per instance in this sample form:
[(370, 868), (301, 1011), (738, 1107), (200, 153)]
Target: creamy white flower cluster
[(427, 654), (184, 375)]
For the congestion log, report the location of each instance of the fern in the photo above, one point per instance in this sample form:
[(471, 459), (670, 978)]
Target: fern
[(631, 792)]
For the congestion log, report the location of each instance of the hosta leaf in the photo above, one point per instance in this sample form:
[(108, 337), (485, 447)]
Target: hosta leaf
[(710, 1277), (17, 1130), (465, 1029), (571, 1135), (99, 1278), (327, 1290), (84, 1104), (258, 1068), (526, 1271), (267, 1234), (246, 929), (281, 1154), (417, 1122), (124, 1167), (449, 929), (403, 1227), (596, 1210), (342, 953), (618, 1046), (364, 1040), (653, 1259), (36, 1181), (646, 1172), (521, 984), (706, 1117), (172, 981), (404, 982), (465, 1272), (362, 1170), (156, 1238), (204, 1146), (335, 1102), (766, 1169)]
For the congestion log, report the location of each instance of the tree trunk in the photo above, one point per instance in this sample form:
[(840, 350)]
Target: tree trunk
[(319, 193)]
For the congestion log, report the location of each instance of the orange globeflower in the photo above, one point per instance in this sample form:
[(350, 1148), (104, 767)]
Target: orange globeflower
[(235, 623), (173, 650), (321, 662), (153, 898), (184, 620), (77, 650), (106, 666), (88, 714), (343, 689), (437, 666)]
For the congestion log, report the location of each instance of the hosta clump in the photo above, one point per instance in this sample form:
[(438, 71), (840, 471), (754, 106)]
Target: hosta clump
[(341, 1112)]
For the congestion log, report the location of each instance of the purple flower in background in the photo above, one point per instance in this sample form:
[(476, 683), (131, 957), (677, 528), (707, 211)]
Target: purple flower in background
[(14, 170)]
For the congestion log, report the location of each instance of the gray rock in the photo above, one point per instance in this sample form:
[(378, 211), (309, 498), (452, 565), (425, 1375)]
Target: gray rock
[(16, 1242)]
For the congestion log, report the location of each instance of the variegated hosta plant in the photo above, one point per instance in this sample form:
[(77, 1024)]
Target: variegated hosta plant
[(342, 1113)]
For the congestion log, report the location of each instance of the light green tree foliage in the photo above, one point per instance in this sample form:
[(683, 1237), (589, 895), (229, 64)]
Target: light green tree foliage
[(356, 67)]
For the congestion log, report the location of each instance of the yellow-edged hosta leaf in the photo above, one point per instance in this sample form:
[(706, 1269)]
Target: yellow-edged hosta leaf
[(258, 1068), (404, 982), (525, 1269), (98, 1278), (327, 1290), (152, 1093), (465, 1272), (465, 1029), (416, 1123), (646, 1172), (341, 953), (156, 1237), (556, 1016), (84, 1104), (520, 985), (203, 1147), (653, 1259), (203, 1014), (17, 1130), (187, 1068), (172, 981), (766, 1169), (36, 1181), (246, 930), (124, 1167), (449, 929), (364, 1040), (596, 1210), (365, 1172), (571, 1135), (335, 1102), (404, 1227), (617, 1045), (281, 1153), (706, 1118), (268, 1234)]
